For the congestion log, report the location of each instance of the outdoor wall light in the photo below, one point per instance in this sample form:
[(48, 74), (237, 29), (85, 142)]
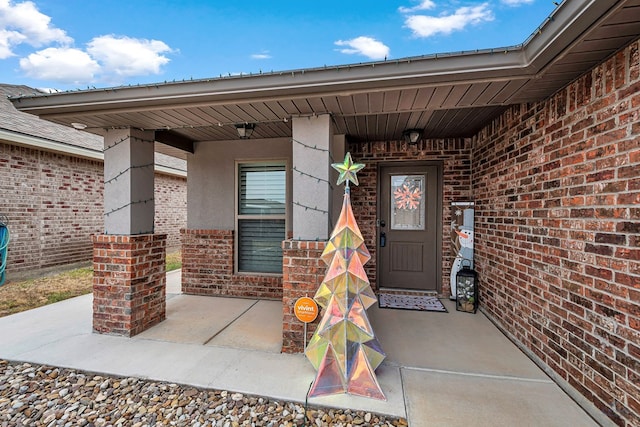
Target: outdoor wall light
[(245, 130), (412, 136)]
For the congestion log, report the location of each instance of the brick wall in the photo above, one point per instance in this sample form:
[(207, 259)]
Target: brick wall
[(129, 283), (303, 272), (454, 154), (54, 204), (170, 208), (557, 189), (208, 269)]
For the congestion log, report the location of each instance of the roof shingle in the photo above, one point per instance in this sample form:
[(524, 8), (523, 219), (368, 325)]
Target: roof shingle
[(28, 124)]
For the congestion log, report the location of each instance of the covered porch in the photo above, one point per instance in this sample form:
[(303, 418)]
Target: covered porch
[(458, 369), (300, 122), (543, 136)]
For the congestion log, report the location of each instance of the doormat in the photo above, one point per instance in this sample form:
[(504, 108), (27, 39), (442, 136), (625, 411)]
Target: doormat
[(410, 301)]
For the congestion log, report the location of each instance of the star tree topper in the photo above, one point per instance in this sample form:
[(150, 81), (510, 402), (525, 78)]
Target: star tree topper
[(347, 170)]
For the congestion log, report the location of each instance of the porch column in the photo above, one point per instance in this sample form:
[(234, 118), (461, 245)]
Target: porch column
[(129, 259), (128, 182), (302, 268), (311, 195)]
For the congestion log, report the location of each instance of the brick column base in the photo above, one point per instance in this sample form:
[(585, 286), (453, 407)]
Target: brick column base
[(129, 283), (302, 274)]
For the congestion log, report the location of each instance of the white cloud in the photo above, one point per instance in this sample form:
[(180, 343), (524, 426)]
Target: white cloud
[(8, 39), (125, 56), (106, 58), (426, 26), (64, 65), (424, 5), (262, 55), (366, 46), (24, 23), (517, 2)]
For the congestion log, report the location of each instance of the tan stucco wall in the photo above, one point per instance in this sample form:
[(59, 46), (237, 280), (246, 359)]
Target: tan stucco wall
[(211, 184)]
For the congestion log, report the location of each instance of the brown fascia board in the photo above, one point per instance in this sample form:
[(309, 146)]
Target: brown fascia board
[(559, 32), (343, 80), (569, 23)]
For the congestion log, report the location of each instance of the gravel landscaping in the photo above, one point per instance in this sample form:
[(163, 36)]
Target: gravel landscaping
[(37, 395)]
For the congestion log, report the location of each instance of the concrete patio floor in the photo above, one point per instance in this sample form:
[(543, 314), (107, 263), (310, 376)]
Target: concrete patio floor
[(445, 369)]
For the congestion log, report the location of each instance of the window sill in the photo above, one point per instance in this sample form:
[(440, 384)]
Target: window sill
[(254, 274)]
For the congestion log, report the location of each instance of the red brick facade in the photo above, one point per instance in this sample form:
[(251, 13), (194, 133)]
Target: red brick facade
[(557, 192), (208, 268), (54, 203), (557, 189), (170, 196), (303, 272), (455, 157), (129, 285)]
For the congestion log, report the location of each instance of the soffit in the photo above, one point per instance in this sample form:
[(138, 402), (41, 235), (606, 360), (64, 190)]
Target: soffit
[(450, 95)]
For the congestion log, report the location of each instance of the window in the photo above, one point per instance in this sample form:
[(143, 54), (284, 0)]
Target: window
[(261, 217)]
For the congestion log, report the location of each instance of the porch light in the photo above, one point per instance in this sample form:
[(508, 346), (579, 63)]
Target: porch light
[(412, 136), (245, 130)]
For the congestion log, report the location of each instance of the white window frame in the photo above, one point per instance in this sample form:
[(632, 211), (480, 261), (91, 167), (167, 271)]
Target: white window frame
[(238, 217)]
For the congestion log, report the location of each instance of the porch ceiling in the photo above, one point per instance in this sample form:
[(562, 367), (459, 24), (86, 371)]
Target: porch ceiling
[(447, 95)]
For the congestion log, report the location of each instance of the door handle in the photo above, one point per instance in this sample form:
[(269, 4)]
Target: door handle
[(383, 239)]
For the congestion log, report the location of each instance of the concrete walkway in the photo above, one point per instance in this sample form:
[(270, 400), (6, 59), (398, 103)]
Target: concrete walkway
[(448, 369)]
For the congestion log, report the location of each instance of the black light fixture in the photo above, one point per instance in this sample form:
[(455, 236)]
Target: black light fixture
[(245, 130), (412, 136)]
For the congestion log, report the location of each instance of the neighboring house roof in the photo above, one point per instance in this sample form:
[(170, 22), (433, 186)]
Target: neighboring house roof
[(29, 130), (447, 95), (26, 124)]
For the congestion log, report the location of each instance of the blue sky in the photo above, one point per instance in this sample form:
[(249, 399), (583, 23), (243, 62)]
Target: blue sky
[(75, 44)]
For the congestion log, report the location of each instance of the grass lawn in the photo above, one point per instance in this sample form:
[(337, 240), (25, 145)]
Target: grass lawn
[(174, 261), (27, 294)]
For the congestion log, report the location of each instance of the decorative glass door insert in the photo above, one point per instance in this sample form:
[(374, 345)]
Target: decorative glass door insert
[(407, 202)]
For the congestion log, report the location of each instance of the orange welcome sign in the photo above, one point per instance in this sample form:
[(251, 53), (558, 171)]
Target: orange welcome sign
[(305, 309)]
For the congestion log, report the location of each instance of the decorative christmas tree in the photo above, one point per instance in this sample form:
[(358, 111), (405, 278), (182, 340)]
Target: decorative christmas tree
[(344, 349)]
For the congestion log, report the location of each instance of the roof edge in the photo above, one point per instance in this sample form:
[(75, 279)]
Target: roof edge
[(29, 141), (167, 170), (551, 39), (562, 28), (50, 145)]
